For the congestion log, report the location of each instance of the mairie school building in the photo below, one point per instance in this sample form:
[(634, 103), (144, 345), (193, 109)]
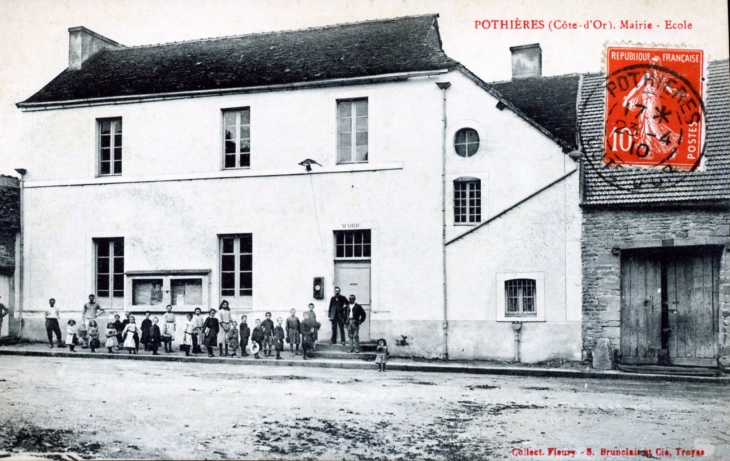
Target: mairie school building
[(266, 169)]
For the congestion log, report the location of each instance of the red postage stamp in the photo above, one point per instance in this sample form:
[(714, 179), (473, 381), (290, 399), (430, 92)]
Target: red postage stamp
[(654, 107)]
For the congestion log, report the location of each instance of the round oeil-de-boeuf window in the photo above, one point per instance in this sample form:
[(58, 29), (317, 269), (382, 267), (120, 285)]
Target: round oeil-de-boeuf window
[(466, 142)]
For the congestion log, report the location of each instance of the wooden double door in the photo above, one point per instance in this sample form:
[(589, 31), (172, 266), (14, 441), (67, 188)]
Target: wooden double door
[(669, 306)]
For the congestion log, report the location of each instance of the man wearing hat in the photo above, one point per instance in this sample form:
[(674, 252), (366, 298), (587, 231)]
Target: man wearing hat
[(355, 318)]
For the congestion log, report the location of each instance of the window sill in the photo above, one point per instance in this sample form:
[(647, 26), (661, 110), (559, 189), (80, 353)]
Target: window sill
[(462, 224), (224, 174), (521, 319)]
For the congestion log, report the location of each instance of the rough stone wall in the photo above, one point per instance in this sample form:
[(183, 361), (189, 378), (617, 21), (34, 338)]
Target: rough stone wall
[(9, 222), (605, 228)]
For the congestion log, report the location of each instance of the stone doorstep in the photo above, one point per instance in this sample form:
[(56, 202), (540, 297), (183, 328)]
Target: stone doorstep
[(397, 364)]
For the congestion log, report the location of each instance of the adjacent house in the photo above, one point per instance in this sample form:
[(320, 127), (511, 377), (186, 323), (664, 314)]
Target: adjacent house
[(656, 265), (266, 169), (9, 242)]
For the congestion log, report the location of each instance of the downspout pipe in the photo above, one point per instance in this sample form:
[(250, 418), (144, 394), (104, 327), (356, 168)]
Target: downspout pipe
[(444, 86), (20, 265)]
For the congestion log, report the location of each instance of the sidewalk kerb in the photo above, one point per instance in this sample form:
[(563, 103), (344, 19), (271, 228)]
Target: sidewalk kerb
[(397, 366)]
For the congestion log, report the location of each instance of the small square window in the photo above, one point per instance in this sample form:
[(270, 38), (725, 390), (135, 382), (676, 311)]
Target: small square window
[(520, 297)]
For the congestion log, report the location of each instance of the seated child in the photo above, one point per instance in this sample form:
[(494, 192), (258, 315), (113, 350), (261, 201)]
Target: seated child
[(94, 342), (232, 338), (82, 333)]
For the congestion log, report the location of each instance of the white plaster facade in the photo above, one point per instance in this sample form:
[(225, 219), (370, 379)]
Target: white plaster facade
[(174, 200)]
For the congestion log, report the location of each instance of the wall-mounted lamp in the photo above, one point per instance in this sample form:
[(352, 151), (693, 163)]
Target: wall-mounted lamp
[(615, 251), (307, 163)]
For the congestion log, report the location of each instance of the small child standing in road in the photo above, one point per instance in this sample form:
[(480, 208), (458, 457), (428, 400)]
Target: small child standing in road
[(155, 336), (94, 342), (129, 331), (71, 339), (257, 337), (279, 336), (382, 354), (111, 337), (232, 338)]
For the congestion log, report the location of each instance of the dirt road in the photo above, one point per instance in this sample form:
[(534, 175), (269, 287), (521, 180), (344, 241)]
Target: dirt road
[(125, 409)]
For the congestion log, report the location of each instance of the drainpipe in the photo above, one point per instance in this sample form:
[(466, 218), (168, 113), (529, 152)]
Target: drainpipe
[(516, 327), (444, 86), (21, 172)]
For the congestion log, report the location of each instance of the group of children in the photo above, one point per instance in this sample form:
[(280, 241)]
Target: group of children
[(220, 330)]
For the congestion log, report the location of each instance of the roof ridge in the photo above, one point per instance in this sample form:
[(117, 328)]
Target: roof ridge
[(275, 32)]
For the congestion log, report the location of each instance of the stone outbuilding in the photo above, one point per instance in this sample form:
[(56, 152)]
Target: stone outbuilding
[(656, 259)]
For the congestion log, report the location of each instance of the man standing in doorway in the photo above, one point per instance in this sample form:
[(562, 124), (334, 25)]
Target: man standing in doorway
[(338, 315), (356, 318), (91, 310), (52, 317)]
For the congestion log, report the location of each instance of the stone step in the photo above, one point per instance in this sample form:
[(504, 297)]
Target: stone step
[(335, 355), (326, 346), (669, 370)]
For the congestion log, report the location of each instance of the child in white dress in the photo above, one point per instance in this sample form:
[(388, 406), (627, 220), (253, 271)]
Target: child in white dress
[(129, 343), (71, 335)]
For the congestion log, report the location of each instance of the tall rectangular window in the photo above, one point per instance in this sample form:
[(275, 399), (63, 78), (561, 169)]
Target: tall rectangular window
[(110, 146), (237, 138), (467, 201), (236, 265), (353, 244), (110, 271), (352, 131)]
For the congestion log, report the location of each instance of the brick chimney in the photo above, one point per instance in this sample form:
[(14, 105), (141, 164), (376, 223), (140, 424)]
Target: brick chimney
[(526, 61), (83, 44)]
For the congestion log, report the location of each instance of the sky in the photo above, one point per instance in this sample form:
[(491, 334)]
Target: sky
[(34, 34)]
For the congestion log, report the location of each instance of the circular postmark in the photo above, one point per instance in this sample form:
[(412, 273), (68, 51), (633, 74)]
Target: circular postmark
[(641, 127)]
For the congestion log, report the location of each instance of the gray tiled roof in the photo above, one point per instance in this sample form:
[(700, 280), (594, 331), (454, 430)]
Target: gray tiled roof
[(610, 186), (550, 101), (370, 48)]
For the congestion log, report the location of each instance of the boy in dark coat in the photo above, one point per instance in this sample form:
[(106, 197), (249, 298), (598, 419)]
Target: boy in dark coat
[(268, 326), (293, 327), (244, 333), (257, 336), (279, 336), (155, 337), (210, 332), (119, 326), (308, 328)]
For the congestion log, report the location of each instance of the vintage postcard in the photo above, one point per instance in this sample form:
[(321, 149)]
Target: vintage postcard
[(308, 229)]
